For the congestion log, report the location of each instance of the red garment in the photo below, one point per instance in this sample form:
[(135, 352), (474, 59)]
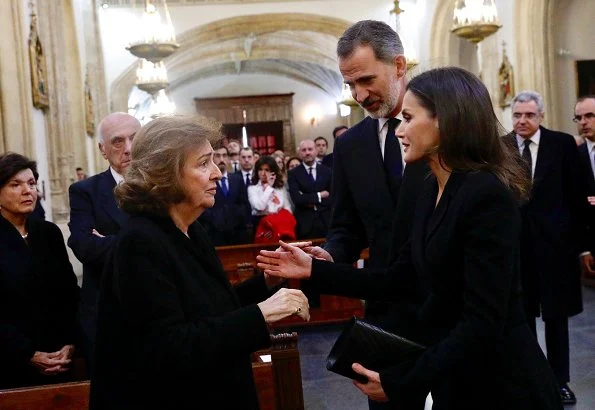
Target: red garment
[(273, 227)]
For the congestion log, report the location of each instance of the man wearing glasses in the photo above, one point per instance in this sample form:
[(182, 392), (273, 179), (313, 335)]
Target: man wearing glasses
[(553, 234), (584, 117)]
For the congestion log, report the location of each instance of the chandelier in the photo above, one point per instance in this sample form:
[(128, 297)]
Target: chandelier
[(409, 52), (475, 20), (161, 105), (151, 77), (156, 39)]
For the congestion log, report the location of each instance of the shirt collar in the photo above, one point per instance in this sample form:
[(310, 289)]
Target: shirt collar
[(590, 145), (382, 121), (314, 165), (117, 177), (534, 138)]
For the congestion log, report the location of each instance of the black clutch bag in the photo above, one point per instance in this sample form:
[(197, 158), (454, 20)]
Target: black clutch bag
[(370, 346)]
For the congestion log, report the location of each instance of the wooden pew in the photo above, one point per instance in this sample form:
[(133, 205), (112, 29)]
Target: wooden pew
[(278, 383), (239, 262)]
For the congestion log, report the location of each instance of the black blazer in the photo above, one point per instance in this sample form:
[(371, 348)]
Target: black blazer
[(553, 232), (589, 186), (38, 299), (304, 196), (327, 161), (463, 259), (93, 206), (364, 198), (172, 331), (226, 221)]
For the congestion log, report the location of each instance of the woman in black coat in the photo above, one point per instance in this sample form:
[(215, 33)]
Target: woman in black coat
[(173, 333), (38, 289), (461, 263)]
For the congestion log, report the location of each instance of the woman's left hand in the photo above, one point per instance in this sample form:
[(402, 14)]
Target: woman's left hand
[(373, 388)]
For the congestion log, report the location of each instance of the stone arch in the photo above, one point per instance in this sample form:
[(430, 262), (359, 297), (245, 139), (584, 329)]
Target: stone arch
[(297, 45)]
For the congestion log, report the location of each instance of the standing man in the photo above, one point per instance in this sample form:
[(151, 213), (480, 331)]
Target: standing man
[(246, 166), (234, 155), (584, 117), (95, 218), (226, 222), (309, 187), (321, 147), (373, 194), (80, 174), (552, 236), (337, 132)]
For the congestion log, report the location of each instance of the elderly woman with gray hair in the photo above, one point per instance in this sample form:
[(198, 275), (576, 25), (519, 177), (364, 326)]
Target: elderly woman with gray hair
[(173, 333)]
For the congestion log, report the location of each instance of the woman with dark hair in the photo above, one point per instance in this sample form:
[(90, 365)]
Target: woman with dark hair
[(293, 162), (461, 263), (38, 289), (270, 203), (172, 332)]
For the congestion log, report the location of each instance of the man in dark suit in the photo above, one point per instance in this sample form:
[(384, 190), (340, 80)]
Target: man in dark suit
[(337, 132), (226, 221), (246, 166), (95, 218), (552, 236), (309, 187), (321, 147), (584, 117), (368, 170)]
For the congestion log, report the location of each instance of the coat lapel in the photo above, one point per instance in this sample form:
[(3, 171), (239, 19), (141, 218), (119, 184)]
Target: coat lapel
[(108, 201), (545, 155), (452, 186)]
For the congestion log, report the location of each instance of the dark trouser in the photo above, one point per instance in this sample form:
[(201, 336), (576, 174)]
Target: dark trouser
[(556, 343)]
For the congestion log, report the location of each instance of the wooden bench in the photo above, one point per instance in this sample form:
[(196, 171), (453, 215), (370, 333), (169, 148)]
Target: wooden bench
[(278, 383), (239, 262)]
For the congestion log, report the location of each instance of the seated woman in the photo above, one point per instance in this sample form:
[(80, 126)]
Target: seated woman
[(38, 289), (461, 262), (270, 203), (173, 333)]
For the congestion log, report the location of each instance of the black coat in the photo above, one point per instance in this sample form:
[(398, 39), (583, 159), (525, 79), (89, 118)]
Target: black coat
[(463, 259), (589, 185), (368, 209), (93, 206), (226, 222), (172, 331), (304, 196), (38, 299), (553, 228)]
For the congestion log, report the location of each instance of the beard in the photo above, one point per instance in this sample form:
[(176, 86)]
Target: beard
[(390, 102)]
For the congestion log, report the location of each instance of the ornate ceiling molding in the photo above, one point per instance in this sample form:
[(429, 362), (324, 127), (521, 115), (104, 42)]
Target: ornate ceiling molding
[(129, 3), (297, 45)]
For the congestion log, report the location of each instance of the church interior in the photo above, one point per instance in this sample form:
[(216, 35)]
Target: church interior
[(269, 67)]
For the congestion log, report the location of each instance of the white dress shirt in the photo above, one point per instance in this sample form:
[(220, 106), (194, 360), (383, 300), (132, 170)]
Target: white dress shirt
[(533, 148), (261, 199), (117, 177), (591, 152)]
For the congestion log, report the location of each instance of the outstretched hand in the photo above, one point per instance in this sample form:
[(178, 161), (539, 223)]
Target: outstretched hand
[(291, 262)]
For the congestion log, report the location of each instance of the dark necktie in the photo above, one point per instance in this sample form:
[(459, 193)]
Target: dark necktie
[(393, 162), (311, 174), (224, 188), (527, 158), (247, 178), (235, 167)]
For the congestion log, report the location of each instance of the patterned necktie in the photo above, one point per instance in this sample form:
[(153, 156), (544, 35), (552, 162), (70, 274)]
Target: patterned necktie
[(393, 162), (527, 158), (224, 188)]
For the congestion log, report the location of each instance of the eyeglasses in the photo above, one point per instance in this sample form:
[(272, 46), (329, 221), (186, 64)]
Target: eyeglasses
[(588, 116), (528, 115)]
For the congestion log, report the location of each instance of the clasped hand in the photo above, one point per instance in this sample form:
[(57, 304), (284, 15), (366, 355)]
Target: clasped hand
[(53, 363)]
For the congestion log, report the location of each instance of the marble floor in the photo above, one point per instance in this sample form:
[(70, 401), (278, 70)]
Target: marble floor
[(324, 390)]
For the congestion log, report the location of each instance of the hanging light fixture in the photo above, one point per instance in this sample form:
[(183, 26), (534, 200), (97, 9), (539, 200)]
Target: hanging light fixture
[(409, 51), (475, 20), (347, 101), (161, 105), (156, 38), (151, 77)]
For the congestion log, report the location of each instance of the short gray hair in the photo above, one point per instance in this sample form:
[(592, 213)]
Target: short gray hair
[(383, 40), (528, 96)]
